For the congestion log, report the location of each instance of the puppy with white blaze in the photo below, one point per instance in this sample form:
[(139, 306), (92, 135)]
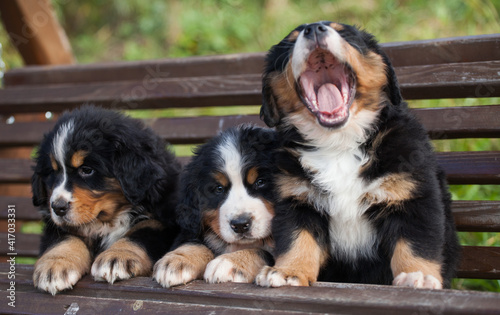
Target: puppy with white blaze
[(354, 204), (106, 187), (225, 211)]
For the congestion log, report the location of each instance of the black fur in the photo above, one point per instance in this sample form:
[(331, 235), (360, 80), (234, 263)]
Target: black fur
[(197, 185), (118, 148), (425, 220)]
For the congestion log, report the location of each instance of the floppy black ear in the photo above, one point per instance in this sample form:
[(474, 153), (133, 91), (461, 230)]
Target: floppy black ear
[(140, 176), (392, 88), (269, 110), (40, 196)]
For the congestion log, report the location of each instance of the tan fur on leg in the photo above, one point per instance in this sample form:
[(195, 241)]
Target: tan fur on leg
[(240, 266), (62, 266), (182, 265), (123, 260), (297, 267), (413, 271)]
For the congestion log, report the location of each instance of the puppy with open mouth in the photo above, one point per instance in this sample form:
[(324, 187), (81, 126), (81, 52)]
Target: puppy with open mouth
[(355, 204)]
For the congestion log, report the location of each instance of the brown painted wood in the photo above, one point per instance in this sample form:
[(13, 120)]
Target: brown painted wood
[(444, 50), (442, 123), (480, 262), (457, 80), (468, 168), (26, 245), (24, 209), (144, 71), (475, 79), (477, 216), (424, 52), (142, 294), (461, 122), (35, 31), (462, 168), (160, 93)]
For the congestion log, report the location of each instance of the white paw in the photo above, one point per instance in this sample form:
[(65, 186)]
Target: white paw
[(222, 269), (417, 280), (110, 271), (55, 276), (274, 277), (174, 270), (112, 265)]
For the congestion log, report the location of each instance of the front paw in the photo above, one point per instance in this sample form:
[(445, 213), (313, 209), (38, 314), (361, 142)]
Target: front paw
[(121, 263), (225, 269), (278, 277), (54, 274), (417, 280), (173, 269)]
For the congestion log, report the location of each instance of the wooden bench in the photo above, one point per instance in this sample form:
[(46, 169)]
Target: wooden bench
[(465, 67)]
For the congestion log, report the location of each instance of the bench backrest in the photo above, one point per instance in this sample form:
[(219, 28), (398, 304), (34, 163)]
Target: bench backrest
[(465, 67)]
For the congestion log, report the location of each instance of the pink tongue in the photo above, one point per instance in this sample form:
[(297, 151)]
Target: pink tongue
[(329, 98)]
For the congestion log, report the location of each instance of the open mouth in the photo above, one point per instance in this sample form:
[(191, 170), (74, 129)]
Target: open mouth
[(327, 87)]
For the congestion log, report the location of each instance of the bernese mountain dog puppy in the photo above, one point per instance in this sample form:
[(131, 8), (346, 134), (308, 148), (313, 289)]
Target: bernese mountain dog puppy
[(362, 197), (106, 187), (225, 211)]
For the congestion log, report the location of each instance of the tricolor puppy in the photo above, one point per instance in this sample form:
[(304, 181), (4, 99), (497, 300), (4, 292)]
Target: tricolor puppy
[(225, 211), (362, 197), (106, 187)]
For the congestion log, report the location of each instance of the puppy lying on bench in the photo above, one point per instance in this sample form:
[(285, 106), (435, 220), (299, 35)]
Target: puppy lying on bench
[(106, 188), (362, 197), (225, 210)]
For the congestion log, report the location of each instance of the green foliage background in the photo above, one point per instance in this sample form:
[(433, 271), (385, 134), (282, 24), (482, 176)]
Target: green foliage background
[(116, 30)]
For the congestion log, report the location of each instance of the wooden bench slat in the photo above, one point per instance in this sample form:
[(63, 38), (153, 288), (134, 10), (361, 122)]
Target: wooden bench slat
[(26, 245), (470, 215), (442, 123), (480, 262), (148, 296), (23, 206), (469, 168), (462, 168), (424, 52), (459, 80), (444, 50), (461, 122), (477, 215), (161, 93)]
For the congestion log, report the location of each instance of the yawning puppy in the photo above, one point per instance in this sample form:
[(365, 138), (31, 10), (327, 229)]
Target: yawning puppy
[(106, 188), (362, 197), (225, 210)]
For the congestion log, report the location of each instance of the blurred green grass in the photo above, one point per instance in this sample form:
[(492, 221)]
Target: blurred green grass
[(116, 30)]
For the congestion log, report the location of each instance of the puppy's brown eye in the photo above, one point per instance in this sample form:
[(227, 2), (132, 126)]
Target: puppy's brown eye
[(85, 171), (259, 183), (219, 189)]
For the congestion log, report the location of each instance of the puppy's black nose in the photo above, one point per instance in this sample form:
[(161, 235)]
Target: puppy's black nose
[(60, 207), (315, 30), (241, 224)]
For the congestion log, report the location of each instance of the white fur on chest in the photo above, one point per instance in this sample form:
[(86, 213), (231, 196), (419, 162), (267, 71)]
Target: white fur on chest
[(335, 165)]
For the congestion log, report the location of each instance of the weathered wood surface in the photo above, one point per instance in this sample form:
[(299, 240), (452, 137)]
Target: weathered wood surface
[(402, 54), (142, 295), (475, 79), (442, 123)]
